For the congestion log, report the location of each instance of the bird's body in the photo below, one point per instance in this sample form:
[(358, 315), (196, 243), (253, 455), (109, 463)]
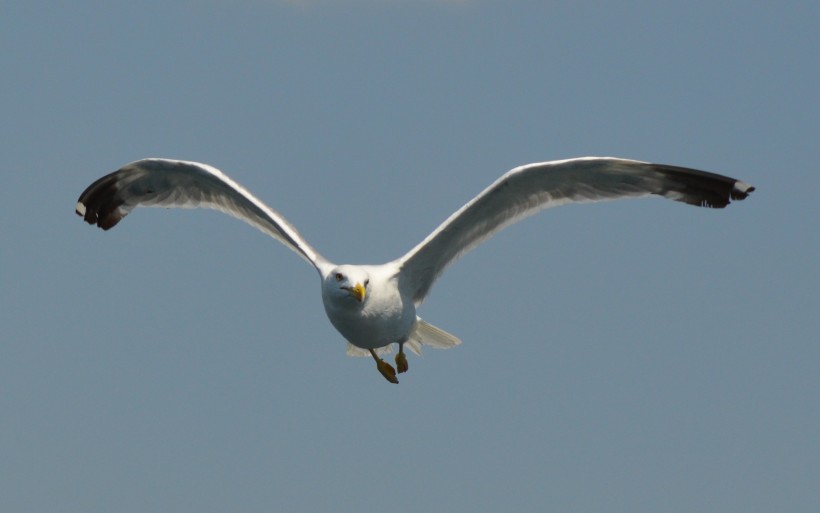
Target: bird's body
[(383, 319), (374, 306)]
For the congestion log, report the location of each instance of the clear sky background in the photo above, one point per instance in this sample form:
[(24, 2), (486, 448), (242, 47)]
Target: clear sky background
[(639, 356)]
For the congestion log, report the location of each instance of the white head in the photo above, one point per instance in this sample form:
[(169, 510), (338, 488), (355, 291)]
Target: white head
[(346, 284)]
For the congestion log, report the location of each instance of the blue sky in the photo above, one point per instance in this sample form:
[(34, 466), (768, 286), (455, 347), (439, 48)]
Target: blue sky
[(637, 356)]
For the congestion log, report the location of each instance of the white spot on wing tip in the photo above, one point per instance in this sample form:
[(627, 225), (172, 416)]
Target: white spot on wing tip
[(743, 186), (80, 209)]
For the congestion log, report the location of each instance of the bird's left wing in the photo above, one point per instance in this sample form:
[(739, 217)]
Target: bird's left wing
[(181, 184), (528, 189)]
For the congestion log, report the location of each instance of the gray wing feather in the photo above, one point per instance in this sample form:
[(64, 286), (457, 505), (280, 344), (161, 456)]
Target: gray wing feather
[(181, 184), (528, 189)]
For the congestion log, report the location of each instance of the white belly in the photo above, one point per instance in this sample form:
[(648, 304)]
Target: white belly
[(379, 322)]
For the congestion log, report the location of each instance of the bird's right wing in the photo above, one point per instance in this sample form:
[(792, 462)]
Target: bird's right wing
[(181, 184)]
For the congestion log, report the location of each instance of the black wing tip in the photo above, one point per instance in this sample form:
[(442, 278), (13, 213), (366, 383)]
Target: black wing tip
[(741, 191), (102, 218), (100, 204), (702, 188)]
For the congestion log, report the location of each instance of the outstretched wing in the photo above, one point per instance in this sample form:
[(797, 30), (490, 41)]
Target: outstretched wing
[(528, 189), (180, 184)]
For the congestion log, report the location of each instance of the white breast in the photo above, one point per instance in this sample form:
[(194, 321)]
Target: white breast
[(384, 318)]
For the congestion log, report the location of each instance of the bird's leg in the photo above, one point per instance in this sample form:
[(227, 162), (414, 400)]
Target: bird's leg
[(401, 359), (385, 368)]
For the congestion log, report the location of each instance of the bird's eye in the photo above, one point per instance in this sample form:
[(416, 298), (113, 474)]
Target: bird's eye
[(339, 276), (366, 282)]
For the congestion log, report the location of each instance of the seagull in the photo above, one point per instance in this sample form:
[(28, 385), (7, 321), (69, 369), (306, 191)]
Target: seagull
[(374, 306)]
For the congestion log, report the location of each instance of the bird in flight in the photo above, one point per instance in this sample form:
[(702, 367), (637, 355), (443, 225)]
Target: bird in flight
[(374, 306)]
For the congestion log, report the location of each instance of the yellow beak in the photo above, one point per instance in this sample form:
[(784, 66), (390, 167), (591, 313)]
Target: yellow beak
[(358, 292)]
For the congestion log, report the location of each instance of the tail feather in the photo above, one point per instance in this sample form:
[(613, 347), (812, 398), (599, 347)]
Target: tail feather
[(423, 334), (428, 335)]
